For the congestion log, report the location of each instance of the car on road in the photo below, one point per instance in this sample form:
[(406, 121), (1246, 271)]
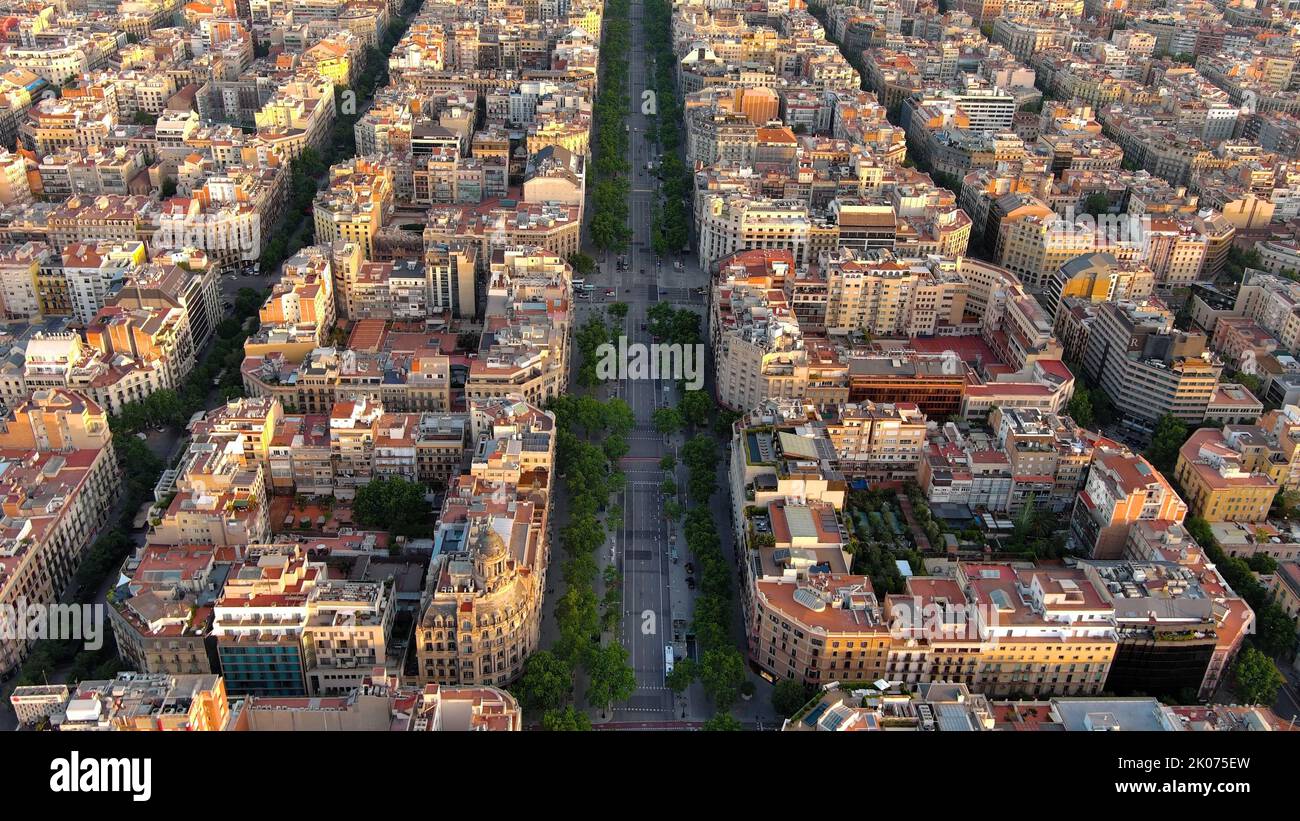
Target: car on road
[(690, 568), (609, 292), (690, 582)]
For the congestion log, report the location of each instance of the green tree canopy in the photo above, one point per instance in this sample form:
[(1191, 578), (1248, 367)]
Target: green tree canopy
[(722, 722), (1080, 407), (581, 263), (789, 696), (667, 420), (545, 684), (696, 407), (566, 719), (610, 677), (1095, 204), (680, 678), (722, 671), (1169, 436), (1257, 677), (393, 504)]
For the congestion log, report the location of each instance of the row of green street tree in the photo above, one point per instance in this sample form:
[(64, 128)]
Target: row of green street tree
[(591, 475), (670, 228), (609, 228), (722, 669)]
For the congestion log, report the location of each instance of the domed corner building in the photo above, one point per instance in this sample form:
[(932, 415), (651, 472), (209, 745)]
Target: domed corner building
[(484, 616)]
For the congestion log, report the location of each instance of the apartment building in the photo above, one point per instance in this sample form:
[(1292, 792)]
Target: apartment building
[(811, 627), (138, 350), (215, 497), (260, 617), (354, 205), (59, 479), (107, 217), (1012, 631), (1024, 36), (1038, 446), (1122, 488), (161, 617), (146, 702), (481, 608), (380, 704), (299, 313), (1176, 253), (1286, 589), (877, 442), (1146, 366), (524, 348), (1273, 303), (728, 225), (353, 430), (1166, 625), (346, 634), (757, 342), (883, 296), (1098, 277), (959, 470), (1241, 342), (1182, 573), (1035, 243), (1220, 475), (400, 372), (1281, 430), (92, 170), (187, 280), (20, 275)]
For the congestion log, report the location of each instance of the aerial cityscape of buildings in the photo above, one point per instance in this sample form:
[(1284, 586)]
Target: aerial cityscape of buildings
[(802, 365)]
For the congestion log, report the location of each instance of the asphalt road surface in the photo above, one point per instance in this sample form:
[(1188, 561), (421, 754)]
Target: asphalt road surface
[(654, 588)]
